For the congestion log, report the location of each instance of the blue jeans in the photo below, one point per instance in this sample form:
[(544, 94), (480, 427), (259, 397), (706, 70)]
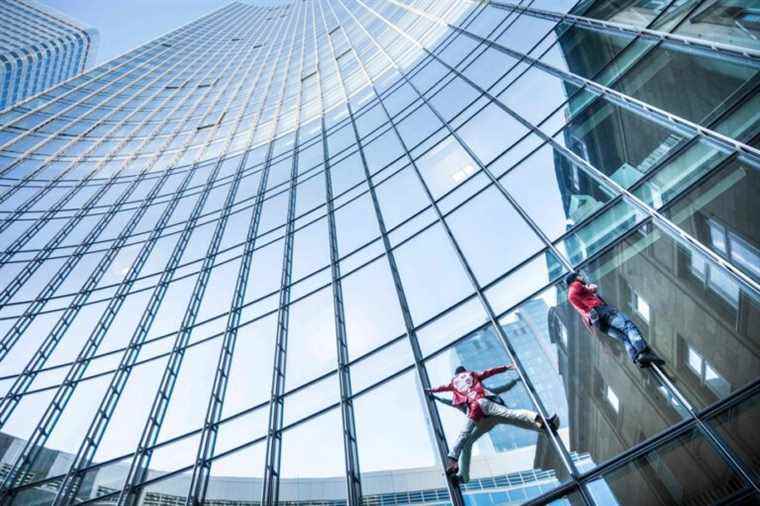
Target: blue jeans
[(621, 328)]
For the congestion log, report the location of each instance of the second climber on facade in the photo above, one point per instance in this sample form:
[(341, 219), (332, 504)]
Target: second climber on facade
[(485, 410), (596, 313)]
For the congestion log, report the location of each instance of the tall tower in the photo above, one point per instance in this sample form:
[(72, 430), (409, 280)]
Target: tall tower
[(39, 48), (233, 260)]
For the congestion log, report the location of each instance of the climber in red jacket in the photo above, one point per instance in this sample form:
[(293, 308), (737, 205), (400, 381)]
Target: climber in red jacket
[(595, 312), (484, 410)]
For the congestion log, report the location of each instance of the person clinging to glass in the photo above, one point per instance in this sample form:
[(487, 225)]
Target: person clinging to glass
[(485, 410), (596, 313)]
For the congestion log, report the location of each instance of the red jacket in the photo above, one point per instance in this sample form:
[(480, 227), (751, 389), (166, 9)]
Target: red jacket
[(467, 388), (583, 299)]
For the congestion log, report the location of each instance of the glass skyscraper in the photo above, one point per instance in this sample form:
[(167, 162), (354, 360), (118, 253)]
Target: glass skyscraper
[(233, 258), (39, 47)]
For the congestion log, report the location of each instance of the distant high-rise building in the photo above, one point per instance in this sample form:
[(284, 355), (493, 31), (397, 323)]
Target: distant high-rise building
[(39, 48)]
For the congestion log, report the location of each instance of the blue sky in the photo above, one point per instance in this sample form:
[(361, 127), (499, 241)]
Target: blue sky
[(125, 25)]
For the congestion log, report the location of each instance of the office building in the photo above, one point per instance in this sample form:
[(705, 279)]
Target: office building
[(233, 258)]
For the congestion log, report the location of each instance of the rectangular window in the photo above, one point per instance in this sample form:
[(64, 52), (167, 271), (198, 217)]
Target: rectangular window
[(718, 236), (707, 375), (640, 305), (563, 334), (744, 254), (613, 400)]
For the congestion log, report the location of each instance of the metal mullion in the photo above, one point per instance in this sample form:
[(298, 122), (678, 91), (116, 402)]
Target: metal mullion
[(662, 222), (453, 490), (35, 198), (563, 452), (151, 429), (739, 54), (271, 480), (623, 100), (350, 446), (711, 434), (52, 414), (207, 444), (530, 388), (26, 319), (72, 260), (415, 234), (98, 426), (49, 214), (146, 46), (716, 441)]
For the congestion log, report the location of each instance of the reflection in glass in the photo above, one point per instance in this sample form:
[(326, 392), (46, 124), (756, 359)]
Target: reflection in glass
[(737, 425), (691, 311), (721, 212), (712, 82), (683, 471), (608, 404), (566, 196), (510, 449)]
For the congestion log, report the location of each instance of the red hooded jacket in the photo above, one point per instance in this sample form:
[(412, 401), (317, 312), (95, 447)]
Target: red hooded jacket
[(467, 388), (583, 300)]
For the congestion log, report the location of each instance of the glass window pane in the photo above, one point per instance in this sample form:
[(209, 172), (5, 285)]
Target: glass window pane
[(445, 166), (721, 213), (363, 292), (737, 425), (378, 434), (566, 196), (490, 132), (486, 228), (427, 263), (507, 447), (311, 345), (300, 471), (237, 476), (711, 82), (673, 473)]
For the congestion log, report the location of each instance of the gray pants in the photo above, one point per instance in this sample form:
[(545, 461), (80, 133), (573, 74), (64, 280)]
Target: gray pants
[(495, 414)]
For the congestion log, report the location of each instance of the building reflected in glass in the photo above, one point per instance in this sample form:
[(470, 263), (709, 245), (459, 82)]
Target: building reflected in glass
[(235, 257)]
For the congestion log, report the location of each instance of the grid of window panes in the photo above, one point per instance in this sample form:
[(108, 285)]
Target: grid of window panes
[(39, 48), (234, 258)]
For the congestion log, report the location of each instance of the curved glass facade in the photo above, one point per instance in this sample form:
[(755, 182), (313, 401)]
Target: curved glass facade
[(234, 258)]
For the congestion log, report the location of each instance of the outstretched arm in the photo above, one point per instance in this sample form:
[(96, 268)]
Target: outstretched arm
[(505, 387), (442, 388), (443, 400), (494, 370)]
